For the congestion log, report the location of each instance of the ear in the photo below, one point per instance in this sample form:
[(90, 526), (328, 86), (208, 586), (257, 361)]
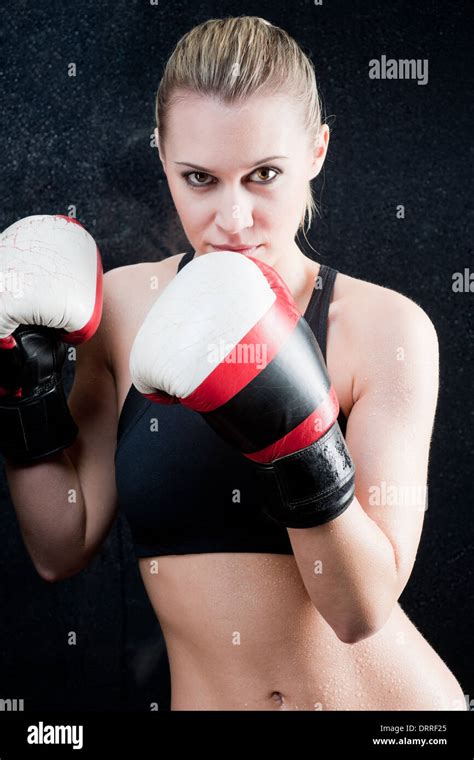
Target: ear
[(319, 151)]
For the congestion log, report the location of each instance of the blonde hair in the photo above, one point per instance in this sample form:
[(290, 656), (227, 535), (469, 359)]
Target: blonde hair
[(234, 58)]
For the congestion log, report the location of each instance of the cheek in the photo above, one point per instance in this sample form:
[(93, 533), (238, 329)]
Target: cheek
[(180, 196), (193, 215), (297, 197), (283, 210)]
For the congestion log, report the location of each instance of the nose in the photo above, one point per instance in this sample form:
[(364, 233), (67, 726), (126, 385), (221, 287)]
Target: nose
[(234, 214)]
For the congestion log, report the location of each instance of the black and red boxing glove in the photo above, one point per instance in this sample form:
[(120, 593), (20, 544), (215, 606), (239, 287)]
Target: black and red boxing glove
[(226, 339), (51, 279)]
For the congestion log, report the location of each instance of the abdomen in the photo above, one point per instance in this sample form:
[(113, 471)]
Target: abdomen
[(242, 634)]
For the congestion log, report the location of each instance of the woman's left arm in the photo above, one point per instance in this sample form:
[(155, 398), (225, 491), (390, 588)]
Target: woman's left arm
[(356, 566)]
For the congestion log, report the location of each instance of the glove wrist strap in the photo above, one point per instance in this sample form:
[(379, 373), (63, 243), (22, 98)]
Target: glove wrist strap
[(309, 487), (34, 427)]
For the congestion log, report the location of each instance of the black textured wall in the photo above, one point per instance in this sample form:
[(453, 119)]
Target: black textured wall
[(85, 142)]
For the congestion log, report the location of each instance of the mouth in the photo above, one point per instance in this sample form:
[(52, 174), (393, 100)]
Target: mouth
[(249, 250)]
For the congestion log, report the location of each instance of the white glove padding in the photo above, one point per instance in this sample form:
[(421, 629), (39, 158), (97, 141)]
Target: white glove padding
[(209, 306), (51, 275)]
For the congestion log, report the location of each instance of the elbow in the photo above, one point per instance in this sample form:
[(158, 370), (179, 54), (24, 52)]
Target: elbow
[(361, 628), (355, 634), (51, 576), (54, 574)]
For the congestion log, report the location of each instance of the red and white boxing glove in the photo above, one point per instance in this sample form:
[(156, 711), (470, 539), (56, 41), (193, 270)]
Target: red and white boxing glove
[(226, 339), (50, 294)]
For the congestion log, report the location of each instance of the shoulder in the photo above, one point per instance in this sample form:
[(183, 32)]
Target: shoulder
[(366, 300), (114, 279), (137, 283), (128, 293), (133, 285), (391, 335)]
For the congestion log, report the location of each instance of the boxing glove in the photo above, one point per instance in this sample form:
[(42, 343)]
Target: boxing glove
[(226, 339), (51, 295)]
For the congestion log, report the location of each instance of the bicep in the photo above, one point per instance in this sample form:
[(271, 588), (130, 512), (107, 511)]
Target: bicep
[(389, 431)]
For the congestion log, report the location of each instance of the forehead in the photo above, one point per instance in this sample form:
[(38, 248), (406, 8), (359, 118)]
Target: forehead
[(206, 127)]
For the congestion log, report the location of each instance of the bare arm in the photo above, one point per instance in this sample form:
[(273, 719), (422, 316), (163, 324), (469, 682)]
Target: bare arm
[(65, 504), (356, 566)]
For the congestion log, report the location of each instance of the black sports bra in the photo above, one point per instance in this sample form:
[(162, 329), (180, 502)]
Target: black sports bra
[(182, 488)]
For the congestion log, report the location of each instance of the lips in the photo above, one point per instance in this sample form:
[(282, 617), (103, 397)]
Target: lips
[(236, 249)]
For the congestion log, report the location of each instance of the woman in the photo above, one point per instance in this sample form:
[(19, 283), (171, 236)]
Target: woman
[(255, 616)]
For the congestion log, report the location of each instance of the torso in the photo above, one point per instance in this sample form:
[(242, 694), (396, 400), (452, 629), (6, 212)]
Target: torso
[(240, 629)]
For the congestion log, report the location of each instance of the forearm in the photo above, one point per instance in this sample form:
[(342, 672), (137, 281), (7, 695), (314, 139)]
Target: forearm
[(348, 567), (49, 505)]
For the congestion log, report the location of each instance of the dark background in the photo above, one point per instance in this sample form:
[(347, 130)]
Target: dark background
[(85, 142)]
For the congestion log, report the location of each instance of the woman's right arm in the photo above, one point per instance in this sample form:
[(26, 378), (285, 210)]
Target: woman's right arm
[(66, 503)]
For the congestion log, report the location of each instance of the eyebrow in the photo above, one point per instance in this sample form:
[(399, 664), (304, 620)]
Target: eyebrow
[(208, 171)]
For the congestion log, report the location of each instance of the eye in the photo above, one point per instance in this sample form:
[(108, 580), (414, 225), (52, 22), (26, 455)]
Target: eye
[(196, 174), (266, 169), (203, 175)]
